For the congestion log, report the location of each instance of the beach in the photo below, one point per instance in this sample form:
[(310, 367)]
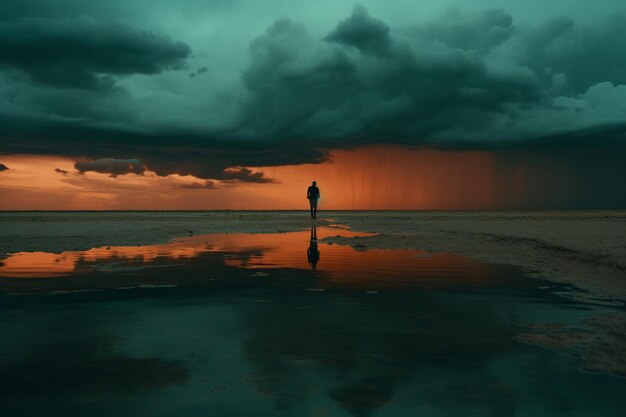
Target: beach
[(586, 249)]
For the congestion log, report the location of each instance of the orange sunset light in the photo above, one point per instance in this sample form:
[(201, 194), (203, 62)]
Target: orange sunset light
[(370, 178)]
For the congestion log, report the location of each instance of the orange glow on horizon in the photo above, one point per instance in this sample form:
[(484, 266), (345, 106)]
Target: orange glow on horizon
[(370, 178), (391, 178)]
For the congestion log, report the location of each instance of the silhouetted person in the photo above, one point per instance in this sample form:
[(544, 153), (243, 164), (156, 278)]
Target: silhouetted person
[(313, 194), (312, 253)]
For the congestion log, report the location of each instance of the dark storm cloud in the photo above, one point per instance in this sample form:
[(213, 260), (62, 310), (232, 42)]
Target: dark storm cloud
[(584, 55), (212, 165), (111, 166), (3, 167), (82, 53), (205, 185), (61, 171), (369, 88), (481, 32), (244, 175), (462, 81), (164, 153), (362, 31), (474, 81)]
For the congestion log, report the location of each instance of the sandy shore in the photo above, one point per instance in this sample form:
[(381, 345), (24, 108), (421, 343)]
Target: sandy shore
[(586, 249)]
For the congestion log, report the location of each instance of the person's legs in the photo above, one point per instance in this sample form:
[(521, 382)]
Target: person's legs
[(311, 204), (314, 207)]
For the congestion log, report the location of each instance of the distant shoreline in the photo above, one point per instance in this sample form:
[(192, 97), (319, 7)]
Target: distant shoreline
[(590, 210)]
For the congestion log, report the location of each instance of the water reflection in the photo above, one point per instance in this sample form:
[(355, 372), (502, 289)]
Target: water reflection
[(312, 253), (203, 258), (276, 250), (287, 352), (370, 351)]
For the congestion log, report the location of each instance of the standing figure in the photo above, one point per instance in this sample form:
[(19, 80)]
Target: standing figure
[(313, 194)]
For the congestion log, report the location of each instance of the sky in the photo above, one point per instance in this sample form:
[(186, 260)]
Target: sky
[(240, 104)]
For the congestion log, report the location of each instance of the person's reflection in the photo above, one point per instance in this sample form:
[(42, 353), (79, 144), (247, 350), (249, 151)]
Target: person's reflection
[(313, 254)]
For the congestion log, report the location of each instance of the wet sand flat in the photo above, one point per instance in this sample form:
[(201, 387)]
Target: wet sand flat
[(584, 248)]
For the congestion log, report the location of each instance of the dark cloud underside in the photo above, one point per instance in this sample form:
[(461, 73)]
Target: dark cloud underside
[(82, 53), (111, 166), (205, 185)]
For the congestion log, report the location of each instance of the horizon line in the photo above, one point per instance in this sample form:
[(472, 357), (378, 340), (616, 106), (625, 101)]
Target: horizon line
[(303, 210)]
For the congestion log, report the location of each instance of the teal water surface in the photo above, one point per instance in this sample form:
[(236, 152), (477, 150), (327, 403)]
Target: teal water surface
[(229, 332)]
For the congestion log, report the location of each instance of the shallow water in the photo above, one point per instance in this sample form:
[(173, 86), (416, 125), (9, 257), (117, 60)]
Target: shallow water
[(283, 324)]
